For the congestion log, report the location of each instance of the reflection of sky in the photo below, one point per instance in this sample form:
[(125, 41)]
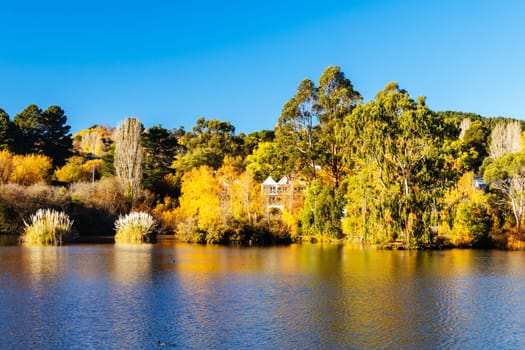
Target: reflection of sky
[(309, 296)]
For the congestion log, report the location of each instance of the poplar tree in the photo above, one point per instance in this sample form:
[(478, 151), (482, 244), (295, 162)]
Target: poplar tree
[(505, 138), (128, 157)]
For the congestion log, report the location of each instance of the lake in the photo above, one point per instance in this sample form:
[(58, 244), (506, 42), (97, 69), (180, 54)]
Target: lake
[(295, 297)]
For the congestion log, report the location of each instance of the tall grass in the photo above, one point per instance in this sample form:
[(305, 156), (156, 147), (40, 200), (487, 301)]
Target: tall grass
[(135, 227), (48, 227)]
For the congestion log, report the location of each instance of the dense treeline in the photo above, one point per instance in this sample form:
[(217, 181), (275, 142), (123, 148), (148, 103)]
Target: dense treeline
[(387, 172)]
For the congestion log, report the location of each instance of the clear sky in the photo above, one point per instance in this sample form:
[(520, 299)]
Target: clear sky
[(170, 62)]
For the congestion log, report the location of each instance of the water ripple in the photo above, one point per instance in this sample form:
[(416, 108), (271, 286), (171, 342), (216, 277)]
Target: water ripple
[(298, 297)]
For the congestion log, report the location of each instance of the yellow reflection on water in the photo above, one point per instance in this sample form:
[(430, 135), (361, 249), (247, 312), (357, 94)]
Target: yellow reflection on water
[(41, 263), (130, 263)]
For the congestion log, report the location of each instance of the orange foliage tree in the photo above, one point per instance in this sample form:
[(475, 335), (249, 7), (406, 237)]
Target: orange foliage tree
[(218, 206), (24, 169), (77, 170), (239, 194), (199, 212), (30, 169), (6, 165)]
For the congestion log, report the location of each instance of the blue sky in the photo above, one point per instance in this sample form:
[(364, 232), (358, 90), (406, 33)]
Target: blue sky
[(170, 62)]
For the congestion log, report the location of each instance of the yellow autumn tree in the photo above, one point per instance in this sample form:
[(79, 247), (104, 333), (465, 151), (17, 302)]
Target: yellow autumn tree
[(247, 199), (226, 177), (6, 165), (467, 217), (78, 170), (199, 212), (30, 169), (94, 141), (239, 194)]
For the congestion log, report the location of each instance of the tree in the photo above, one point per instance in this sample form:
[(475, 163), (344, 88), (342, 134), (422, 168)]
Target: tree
[(252, 140), (200, 211), (507, 175), (466, 214), (368, 217), (310, 131), (55, 137), (505, 138), (27, 124), (401, 138), (93, 142), (5, 137), (160, 148), (128, 157), (265, 161), (337, 98), (43, 132), (24, 169), (464, 126), (475, 143), (466, 139), (295, 131), (322, 211), (6, 165), (30, 169), (77, 169), (93, 145), (207, 144)]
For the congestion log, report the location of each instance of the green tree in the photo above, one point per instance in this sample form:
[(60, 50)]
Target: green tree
[(467, 217), (27, 125), (507, 175), (43, 132), (337, 98), (5, 137), (160, 148), (265, 161), (55, 137), (468, 139), (207, 144), (401, 138), (474, 221), (295, 131), (322, 211), (475, 143), (252, 140)]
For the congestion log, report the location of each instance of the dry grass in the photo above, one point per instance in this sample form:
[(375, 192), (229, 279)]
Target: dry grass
[(48, 227), (135, 227)]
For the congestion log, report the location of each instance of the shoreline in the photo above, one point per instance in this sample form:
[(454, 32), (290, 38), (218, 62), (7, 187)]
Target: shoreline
[(508, 242)]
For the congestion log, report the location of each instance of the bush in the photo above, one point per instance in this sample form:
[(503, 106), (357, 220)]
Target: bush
[(136, 227), (48, 227), (104, 194), (473, 224)]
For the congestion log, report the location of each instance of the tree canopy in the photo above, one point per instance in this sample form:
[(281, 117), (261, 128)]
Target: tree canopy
[(44, 132), (335, 167)]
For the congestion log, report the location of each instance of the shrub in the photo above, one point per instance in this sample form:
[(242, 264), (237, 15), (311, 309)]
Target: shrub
[(104, 195), (48, 227), (135, 227), (30, 169)]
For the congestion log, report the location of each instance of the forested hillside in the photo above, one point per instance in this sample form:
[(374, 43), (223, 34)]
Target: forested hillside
[(385, 172)]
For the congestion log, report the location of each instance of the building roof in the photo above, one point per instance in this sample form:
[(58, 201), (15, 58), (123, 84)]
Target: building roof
[(269, 181), (283, 180)]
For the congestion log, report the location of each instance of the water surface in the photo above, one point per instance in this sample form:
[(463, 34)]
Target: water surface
[(295, 297)]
